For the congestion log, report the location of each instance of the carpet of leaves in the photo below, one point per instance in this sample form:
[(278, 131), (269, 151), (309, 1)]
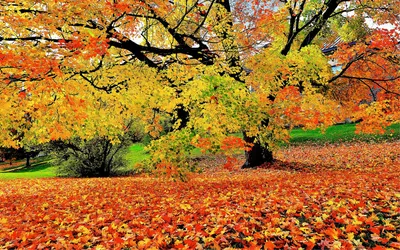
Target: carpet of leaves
[(343, 196)]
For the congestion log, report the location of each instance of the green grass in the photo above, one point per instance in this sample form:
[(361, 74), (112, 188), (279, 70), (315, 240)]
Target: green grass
[(136, 153), (44, 169), (339, 133), (39, 170)]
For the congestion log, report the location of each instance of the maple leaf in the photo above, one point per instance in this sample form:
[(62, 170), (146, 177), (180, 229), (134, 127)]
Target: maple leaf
[(269, 245)]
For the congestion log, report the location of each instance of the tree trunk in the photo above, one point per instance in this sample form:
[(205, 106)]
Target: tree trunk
[(104, 166), (258, 154), (28, 157), (103, 170), (182, 115)]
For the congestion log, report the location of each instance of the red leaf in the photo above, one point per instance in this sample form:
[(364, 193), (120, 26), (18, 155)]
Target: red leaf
[(167, 219), (190, 243), (269, 245), (118, 240), (351, 228), (22, 94), (375, 230)]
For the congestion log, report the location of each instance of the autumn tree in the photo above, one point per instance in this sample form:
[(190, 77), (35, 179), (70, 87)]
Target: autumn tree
[(368, 57), (212, 67)]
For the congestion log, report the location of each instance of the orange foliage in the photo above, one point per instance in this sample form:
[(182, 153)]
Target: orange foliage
[(234, 143), (203, 143), (333, 197), (165, 167)]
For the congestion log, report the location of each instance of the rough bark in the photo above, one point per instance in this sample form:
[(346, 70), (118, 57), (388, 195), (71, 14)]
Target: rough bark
[(258, 155), (28, 157), (182, 115)]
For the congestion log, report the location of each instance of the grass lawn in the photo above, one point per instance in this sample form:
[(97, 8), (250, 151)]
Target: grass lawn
[(44, 169), (39, 170), (136, 153), (341, 133)]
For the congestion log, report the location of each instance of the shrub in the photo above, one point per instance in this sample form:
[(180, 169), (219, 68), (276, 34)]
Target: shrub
[(98, 157), (94, 158)]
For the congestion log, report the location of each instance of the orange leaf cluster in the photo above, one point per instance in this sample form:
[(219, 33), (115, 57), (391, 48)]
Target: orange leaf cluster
[(332, 197), (203, 143), (234, 143)]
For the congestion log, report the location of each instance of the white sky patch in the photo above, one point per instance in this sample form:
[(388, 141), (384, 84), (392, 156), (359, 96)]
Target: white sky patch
[(374, 25)]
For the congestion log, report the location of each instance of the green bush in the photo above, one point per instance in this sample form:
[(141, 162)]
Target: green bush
[(98, 157), (94, 158)]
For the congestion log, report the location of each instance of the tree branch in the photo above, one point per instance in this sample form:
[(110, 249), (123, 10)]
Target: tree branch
[(345, 68), (331, 7), (375, 81)]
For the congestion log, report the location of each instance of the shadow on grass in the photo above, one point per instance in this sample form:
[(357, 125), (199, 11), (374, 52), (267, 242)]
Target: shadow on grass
[(34, 168)]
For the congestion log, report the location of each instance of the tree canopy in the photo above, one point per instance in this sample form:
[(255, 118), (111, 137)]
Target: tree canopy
[(207, 68)]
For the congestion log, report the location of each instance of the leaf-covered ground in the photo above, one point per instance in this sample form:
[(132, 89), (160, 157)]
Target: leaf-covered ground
[(334, 197)]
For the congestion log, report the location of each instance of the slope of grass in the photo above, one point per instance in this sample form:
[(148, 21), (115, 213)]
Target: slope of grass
[(136, 153), (341, 133), (39, 170)]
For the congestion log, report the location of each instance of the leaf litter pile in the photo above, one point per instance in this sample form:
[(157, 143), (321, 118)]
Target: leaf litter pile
[(343, 196)]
